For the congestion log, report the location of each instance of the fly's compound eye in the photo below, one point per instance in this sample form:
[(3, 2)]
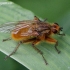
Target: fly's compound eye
[(55, 31)]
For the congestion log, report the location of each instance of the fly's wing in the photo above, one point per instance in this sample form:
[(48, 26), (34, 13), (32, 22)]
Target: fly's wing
[(8, 27), (24, 30)]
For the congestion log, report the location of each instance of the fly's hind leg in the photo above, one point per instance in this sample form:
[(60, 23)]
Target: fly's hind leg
[(6, 39), (39, 51), (13, 50), (49, 39)]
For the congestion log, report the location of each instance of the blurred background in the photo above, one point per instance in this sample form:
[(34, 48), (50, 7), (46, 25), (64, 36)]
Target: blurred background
[(53, 10)]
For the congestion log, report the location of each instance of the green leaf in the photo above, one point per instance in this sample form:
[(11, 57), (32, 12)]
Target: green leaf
[(26, 55), (3, 1)]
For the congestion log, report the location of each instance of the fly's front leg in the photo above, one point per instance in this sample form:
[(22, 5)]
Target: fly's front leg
[(13, 50), (56, 44), (39, 51), (61, 34), (49, 39)]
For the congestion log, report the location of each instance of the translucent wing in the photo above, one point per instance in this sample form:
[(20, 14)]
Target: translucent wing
[(8, 27)]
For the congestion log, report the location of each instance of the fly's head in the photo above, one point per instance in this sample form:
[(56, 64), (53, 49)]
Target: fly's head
[(55, 28)]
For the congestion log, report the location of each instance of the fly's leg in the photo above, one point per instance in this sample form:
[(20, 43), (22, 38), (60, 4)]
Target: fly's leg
[(61, 34), (49, 39), (15, 47), (6, 39), (56, 47), (39, 51), (36, 18), (14, 50)]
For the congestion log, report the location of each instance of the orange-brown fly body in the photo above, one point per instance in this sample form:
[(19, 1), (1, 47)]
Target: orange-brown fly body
[(34, 31)]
